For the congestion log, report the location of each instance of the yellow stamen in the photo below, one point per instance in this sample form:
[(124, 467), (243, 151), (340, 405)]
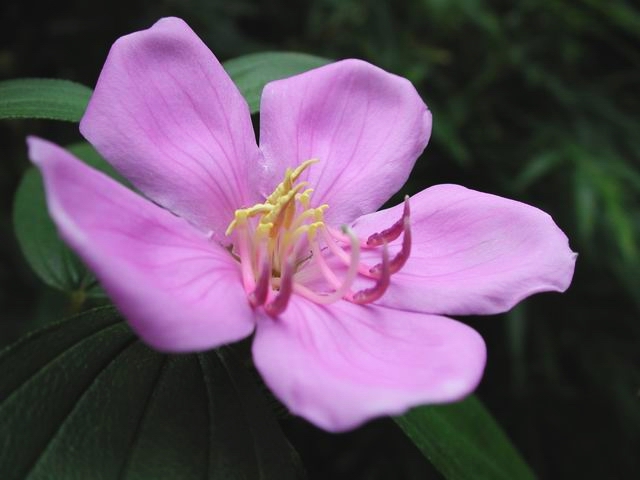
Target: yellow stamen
[(284, 242), (282, 220)]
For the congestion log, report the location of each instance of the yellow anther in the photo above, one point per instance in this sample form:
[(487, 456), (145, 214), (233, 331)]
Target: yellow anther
[(305, 197), (313, 230), (319, 212), (263, 230), (290, 176), (309, 229), (241, 215), (280, 204), (302, 167)]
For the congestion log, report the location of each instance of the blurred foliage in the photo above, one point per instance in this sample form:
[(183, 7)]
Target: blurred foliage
[(536, 100)]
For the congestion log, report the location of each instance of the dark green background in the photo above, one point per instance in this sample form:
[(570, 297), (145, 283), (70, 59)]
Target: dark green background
[(534, 100)]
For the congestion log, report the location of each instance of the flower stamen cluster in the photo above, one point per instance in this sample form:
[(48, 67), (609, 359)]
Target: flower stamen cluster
[(279, 241)]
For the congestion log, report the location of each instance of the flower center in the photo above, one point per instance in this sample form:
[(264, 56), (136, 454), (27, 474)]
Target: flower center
[(284, 246)]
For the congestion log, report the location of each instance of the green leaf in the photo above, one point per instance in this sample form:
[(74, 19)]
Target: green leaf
[(84, 399), (37, 235), (252, 72), (43, 98), (464, 442), (45, 252)]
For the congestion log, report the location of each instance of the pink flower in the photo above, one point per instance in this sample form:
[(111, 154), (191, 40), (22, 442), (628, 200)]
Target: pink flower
[(280, 239)]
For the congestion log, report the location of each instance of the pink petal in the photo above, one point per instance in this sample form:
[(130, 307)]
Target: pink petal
[(472, 253), (170, 119), (341, 365), (366, 126), (177, 289)]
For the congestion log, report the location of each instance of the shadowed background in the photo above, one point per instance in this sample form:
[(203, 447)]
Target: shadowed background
[(535, 101)]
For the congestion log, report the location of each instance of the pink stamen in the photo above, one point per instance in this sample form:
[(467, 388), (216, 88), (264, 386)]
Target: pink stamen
[(244, 239), (402, 256), (393, 232), (344, 256), (324, 268), (372, 294), (280, 302), (260, 293), (343, 289), (340, 237)]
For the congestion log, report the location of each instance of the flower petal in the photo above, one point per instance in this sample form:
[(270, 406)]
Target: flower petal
[(169, 118), (472, 253), (366, 126), (177, 289), (341, 365)]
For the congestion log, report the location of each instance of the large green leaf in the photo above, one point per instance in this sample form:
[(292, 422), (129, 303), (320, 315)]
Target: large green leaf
[(49, 257), (84, 399), (43, 98), (252, 72), (46, 253), (464, 442)]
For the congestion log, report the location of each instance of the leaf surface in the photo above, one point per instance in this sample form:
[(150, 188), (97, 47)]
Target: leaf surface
[(45, 98), (464, 442), (85, 399), (252, 72)]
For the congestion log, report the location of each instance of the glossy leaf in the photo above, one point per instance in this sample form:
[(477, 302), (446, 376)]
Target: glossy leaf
[(84, 399), (464, 442), (45, 252), (43, 98), (252, 72)]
